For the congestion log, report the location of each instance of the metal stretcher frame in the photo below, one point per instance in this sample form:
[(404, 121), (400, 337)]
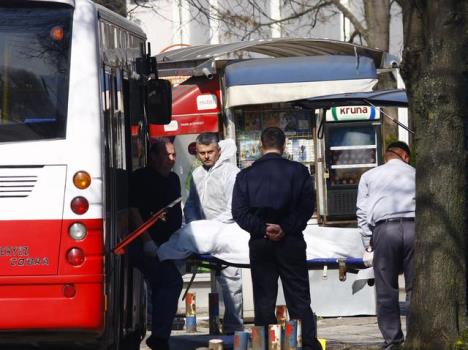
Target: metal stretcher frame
[(343, 265), (312, 264)]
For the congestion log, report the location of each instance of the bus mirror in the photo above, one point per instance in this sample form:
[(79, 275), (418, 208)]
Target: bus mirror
[(159, 101)]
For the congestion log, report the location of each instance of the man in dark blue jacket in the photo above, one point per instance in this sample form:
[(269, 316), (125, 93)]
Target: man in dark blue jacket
[(273, 200)]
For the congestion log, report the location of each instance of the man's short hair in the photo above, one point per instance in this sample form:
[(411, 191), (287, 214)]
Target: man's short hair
[(401, 145), (158, 145), (207, 138), (273, 137)]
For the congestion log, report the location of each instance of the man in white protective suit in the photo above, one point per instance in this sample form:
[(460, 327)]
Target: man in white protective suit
[(210, 198)]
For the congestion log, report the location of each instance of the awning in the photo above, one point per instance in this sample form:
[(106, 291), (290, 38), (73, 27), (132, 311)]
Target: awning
[(382, 98), (276, 80), (208, 59), (195, 108)]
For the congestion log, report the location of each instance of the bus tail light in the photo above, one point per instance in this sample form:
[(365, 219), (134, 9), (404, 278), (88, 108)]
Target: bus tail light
[(81, 180), (69, 290), (75, 256), (77, 231), (79, 205)]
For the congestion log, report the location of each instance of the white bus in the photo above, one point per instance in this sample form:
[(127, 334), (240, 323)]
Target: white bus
[(72, 128)]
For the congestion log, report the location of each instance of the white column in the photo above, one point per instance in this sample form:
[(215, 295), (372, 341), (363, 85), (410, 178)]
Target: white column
[(214, 23), (185, 15), (230, 125), (176, 23), (403, 135), (275, 14), (181, 20), (345, 24)]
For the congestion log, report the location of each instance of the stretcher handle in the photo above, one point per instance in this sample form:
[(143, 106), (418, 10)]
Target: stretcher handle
[(119, 249)]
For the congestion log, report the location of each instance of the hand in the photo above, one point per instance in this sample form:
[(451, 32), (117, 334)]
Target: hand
[(368, 258), (150, 249), (274, 232)]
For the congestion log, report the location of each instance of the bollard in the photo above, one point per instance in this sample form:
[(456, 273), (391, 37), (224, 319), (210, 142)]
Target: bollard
[(215, 344), (342, 269), (190, 324), (281, 314), (274, 337), (299, 334), (258, 338), (190, 305), (213, 314), (241, 340), (324, 272), (190, 313), (290, 335)]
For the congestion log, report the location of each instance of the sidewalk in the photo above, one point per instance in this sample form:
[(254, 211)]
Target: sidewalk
[(342, 333)]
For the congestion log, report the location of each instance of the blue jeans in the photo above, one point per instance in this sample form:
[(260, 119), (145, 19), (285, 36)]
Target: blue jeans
[(165, 282)]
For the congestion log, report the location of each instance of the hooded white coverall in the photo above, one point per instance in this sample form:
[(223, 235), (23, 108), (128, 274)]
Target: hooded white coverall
[(210, 198)]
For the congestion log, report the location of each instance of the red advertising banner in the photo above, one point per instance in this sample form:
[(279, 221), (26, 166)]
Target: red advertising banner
[(186, 124), (196, 105)]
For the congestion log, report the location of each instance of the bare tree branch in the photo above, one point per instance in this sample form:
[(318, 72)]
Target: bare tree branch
[(352, 18), (242, 18)]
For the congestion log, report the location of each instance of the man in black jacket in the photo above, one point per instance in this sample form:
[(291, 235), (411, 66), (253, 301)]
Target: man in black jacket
[(273, 200), (152, 188)]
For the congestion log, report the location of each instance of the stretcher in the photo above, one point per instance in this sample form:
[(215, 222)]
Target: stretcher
[(343, 265), (215, 265), (352, 264), (119, 249)]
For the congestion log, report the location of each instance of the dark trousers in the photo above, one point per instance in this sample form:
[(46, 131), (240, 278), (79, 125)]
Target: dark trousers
[(287, 260), (393, 254), (165, 282)]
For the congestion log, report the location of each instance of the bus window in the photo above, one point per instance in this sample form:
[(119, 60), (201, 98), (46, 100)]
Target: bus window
[(34, 72)]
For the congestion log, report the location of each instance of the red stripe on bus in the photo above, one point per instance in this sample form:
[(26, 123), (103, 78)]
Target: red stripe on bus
[(34, 271), (44, 307)]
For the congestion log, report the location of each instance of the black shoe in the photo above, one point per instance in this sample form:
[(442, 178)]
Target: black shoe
[(315, 346), (157, 343)]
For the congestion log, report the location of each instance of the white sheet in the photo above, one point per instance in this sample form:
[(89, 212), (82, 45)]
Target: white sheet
[(230, 243)]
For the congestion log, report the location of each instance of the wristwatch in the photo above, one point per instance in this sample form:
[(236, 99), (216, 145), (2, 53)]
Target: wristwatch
[(369, 249)]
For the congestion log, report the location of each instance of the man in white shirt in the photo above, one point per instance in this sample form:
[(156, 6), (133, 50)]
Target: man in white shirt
[(385, 213), (210, 198)]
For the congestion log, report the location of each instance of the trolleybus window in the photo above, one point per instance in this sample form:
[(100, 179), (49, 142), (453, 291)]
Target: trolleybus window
[(34, 72)]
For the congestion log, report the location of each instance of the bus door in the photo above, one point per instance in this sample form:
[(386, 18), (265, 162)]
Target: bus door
[(122, 155)]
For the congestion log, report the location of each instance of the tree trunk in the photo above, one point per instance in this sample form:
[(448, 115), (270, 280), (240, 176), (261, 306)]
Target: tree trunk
[(377, 14), (435, 69)]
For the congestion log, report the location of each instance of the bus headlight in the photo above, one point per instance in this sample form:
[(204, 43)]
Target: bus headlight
[(77, 231)]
